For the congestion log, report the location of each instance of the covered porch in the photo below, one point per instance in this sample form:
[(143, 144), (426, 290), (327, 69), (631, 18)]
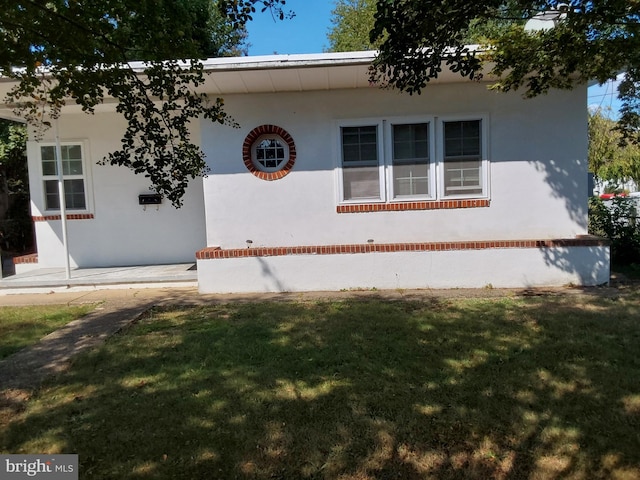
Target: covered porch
[(55, 279)]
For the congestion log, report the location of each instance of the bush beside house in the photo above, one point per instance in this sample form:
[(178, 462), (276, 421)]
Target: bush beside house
[(617, 219)]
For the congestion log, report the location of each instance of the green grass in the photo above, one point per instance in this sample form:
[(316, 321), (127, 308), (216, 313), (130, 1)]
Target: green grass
[(445, 389), (24, 326)]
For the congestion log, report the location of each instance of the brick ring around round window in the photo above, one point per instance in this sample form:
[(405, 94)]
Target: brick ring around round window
[(269, 152)]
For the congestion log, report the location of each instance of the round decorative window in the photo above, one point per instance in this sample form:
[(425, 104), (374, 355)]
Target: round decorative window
[(269, 152)]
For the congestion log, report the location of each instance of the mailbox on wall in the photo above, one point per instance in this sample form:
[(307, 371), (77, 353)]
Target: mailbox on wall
[(150, 199)]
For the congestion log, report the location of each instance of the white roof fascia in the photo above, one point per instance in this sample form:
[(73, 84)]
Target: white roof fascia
[(261, 62)]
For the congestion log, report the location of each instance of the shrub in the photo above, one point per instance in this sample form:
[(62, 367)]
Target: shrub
[(617, 220)]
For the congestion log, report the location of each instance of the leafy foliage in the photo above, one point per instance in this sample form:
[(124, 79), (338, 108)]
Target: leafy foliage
[(13, 156), (242, 11), (16, 230), (148, 124), (609, 158), (617, 220), (60, 52), (352, 21), (591, 40)]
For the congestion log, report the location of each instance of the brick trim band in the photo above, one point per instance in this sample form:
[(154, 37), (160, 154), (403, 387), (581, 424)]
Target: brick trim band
[(254, 135), (24, 259), (70, 216), (217, 252), (402, 206)]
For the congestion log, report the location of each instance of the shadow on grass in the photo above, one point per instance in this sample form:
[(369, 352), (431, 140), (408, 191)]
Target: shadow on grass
[(501, 388)]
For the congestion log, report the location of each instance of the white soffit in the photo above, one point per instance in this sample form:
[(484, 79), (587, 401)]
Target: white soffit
[(286, 73), (274, 73)]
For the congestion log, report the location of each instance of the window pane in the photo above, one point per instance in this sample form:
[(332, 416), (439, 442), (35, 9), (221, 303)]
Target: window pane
[(452, 147), (51, 198), (463, 177), (462, 155), (471, 146), (369, 152), (72, 167), (360, 163), (48, 153), (410, 160), (402, 133), (350, 135), (361, 183), (360, 144), (73, 192), (49, 168), (410, 180), (411, 142), (71, 160), (71, 152), (269, 153), (48, 156), (462, 138)]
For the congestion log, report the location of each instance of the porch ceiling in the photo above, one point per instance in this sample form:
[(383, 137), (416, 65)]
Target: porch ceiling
[(269, 74), (285, 78), (294, 73)]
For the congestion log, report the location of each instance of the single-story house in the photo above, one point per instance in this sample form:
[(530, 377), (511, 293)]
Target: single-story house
[(333, 183)]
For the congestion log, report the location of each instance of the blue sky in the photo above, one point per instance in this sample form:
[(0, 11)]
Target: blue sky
[(304, 33), (307, 33)]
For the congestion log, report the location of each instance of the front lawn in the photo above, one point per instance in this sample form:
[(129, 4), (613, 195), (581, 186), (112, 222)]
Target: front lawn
[(512, 388), (24, 326)]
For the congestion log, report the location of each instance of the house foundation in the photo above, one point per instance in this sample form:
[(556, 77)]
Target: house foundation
[(438, 265)]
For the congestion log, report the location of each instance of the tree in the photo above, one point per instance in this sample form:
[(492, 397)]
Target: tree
[(61, 51), (16, 232), (352, 21), (592, 39), (608, 158)]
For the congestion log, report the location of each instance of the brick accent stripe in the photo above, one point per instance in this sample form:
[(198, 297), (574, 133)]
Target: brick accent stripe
[(70, 216), (402, 206), (217, 252), (251, 139), (30, 258)]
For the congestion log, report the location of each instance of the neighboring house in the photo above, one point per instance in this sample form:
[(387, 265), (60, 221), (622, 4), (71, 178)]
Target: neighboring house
[(332, 183)]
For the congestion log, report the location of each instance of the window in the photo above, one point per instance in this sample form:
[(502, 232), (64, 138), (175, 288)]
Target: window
[(269, 152), (410, 160), (395, 160), (73, 173), (462, 157), (360, 163)]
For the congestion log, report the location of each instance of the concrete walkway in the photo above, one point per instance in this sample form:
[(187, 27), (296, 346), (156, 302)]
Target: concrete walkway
[(45, 280), (115, 309)]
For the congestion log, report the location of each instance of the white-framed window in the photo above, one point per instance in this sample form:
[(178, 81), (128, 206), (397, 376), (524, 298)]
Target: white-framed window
[(270, 153), (361, 155), (74, 173), (412, 158), (463, 155), (411, 161)]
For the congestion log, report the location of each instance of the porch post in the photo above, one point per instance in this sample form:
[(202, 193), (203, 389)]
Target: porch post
[(62, 197)]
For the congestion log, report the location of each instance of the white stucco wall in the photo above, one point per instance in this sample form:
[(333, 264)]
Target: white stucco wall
[(122, 232), (499, 268), (538, 172)]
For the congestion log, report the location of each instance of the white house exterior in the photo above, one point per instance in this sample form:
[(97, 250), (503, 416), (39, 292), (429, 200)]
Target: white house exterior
[(332, 183)]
